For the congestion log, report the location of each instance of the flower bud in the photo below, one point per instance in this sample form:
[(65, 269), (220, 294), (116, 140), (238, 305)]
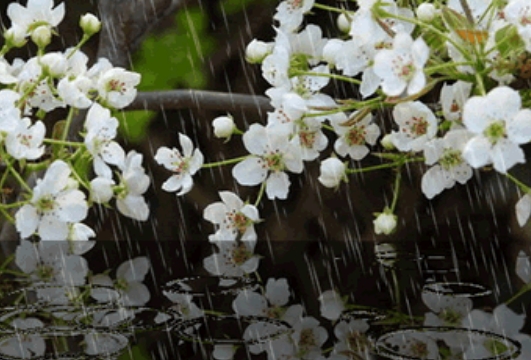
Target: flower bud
[(15, 37), (42, 36), (257, 51), (387, 143), (343, 23), (54, 64), (90, 24), (426, 12), (223, 126), (386, 254), (332, 172), (385, 223)]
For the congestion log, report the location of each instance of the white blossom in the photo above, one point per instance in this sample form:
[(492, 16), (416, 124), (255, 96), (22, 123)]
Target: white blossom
[(134, 183), (500, 126), (233, 217), (101, 130), (51, 262), (417, 125), (235, 258), (291, 12), (402, 68), (37, 13), (129, 277), (272, 154), (54, 204), (184, 165), (352, 139), (115, 85), (25, 140), (450, 167)]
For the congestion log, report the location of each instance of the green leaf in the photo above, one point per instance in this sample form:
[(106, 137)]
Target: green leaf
[(508, 41)]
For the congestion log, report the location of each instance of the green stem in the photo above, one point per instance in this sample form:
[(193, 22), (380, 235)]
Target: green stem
[(64, 143), (6, 262), (17, 176), (385, 166), (13, 205), (328, 8), (79, 179), (396, 286), (481, 85), (13, 272), (4, 50), (21, 102), (7, 215), (522, 291), (68, 122), (396, 189), (520, 184), (328, 127), (84, 39), (224, 162), (260, 193), (432, 69)]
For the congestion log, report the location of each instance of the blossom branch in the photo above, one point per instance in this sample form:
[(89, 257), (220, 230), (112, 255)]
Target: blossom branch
[(198, 99)]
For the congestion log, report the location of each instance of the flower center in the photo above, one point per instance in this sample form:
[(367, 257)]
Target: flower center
[(275, 312), (307, 339), (239, 221), (45, 203), (417, 126), (45, 272), (419, 349), (121, 284), (495, 347), (450, 316), (356, 136), (450, 158), (180, 166), (274, 161), (116, 85), (25, 139), (240, 254), (307, 138), (495, 131)]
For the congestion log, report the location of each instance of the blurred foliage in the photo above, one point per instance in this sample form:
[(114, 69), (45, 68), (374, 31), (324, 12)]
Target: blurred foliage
[(167, 60)]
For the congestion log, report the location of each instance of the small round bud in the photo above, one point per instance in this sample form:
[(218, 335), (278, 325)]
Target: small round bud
[(223, 126), (385, 223), (257, 51), (333, 171), (54, 64), (90, 24), (343, 23), (426, 12), (387, 143), (14, 37), (42, 36)]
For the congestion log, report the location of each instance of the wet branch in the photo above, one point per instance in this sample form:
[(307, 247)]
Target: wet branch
[(199, 99)]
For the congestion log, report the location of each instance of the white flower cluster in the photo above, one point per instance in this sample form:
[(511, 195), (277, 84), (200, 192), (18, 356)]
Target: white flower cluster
[(60, 200), (396, 55)]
